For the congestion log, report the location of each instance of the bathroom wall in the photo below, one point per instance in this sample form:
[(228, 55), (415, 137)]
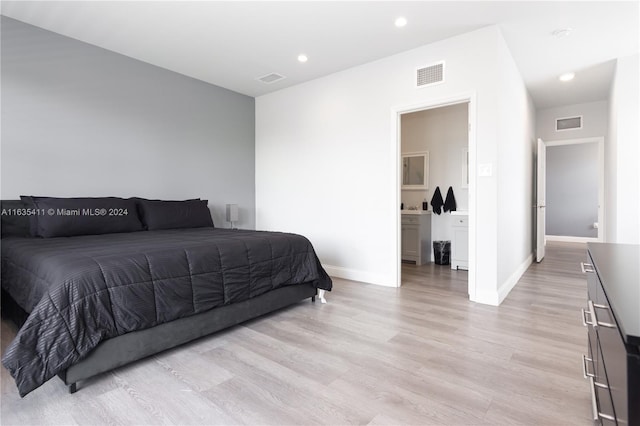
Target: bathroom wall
[(443, 132)]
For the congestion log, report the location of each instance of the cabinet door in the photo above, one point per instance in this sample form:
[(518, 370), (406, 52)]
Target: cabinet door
[(410, 241), (460, 249)]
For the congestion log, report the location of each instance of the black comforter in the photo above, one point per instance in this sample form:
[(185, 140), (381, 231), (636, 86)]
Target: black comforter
[(82, 290)]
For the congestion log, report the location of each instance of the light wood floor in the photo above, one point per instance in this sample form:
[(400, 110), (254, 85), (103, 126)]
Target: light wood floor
[(422, 354)]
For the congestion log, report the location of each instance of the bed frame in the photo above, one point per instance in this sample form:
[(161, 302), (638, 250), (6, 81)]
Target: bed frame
[(130, 347)]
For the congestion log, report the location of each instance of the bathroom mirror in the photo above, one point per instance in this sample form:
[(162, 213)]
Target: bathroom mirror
[(415, 170)]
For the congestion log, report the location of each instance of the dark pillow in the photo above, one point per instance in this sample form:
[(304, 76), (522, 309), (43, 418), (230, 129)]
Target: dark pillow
[(66, 217), (157, 214), (27, 202), (15, 219), (139, 200)]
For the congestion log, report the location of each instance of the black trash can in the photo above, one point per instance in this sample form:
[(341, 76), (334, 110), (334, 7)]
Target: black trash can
[(442, 252)]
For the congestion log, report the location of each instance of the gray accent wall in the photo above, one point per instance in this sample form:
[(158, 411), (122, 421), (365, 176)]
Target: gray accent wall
[(78, 120), (572, 190)]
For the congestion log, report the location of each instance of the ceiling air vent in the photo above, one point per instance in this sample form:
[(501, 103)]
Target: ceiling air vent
[(568, 123), (270, 78), (429, 75)]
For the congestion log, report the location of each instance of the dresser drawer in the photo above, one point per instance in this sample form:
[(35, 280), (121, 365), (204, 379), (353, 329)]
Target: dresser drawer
[(613, 358), (594, 370), (606, 410)]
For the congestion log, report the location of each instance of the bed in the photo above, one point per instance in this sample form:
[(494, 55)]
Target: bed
[(91, 303)]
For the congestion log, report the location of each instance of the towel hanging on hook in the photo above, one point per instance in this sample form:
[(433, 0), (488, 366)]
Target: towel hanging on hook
[(436, 201), (450, 201)]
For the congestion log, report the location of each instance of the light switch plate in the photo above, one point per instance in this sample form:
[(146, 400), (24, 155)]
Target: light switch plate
[(485, 169)]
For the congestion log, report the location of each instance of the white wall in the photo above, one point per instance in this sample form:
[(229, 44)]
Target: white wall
[(595, 121), (327, 159), (622, 155), (444, 133), (514, 172)]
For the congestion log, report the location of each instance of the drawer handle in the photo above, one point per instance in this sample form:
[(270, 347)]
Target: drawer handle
[(597, 415), (584, 319), (586, 267), (594, 401), (594, 318), (585, 370), (586, 374), (590, 312)]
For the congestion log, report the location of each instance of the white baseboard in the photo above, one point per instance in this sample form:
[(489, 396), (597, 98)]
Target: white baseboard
[(511, 282), (357, 275), (568, 239), (495, 298)]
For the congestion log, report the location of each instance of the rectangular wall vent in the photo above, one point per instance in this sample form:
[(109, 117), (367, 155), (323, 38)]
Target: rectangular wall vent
[(430, 74), (270, 78), (568, 123)]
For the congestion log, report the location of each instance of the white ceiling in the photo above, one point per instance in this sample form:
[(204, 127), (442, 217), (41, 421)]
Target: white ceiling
[(230, 44)]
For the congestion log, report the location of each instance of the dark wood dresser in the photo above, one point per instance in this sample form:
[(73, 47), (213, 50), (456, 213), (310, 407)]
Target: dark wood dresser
[(612, 317)]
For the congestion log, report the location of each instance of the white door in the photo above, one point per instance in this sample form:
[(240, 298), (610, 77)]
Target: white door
[(540, 199)]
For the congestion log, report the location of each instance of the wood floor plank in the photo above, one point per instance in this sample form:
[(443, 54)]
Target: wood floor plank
[(188, 366), (164, 397), (421, 354), (275, 384)]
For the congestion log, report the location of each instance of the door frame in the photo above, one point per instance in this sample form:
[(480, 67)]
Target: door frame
[(540, 215), (396, 156), (601, 201)]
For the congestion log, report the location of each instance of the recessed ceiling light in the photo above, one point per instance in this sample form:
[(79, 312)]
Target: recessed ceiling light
[(562, 32), (302, 58), (401, 22), (567, 76)]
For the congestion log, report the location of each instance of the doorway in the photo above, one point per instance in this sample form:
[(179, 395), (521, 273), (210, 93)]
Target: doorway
[(575, 190), (427, 128)]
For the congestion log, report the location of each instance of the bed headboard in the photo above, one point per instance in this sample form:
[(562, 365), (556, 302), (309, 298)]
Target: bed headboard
[(14, 218)]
